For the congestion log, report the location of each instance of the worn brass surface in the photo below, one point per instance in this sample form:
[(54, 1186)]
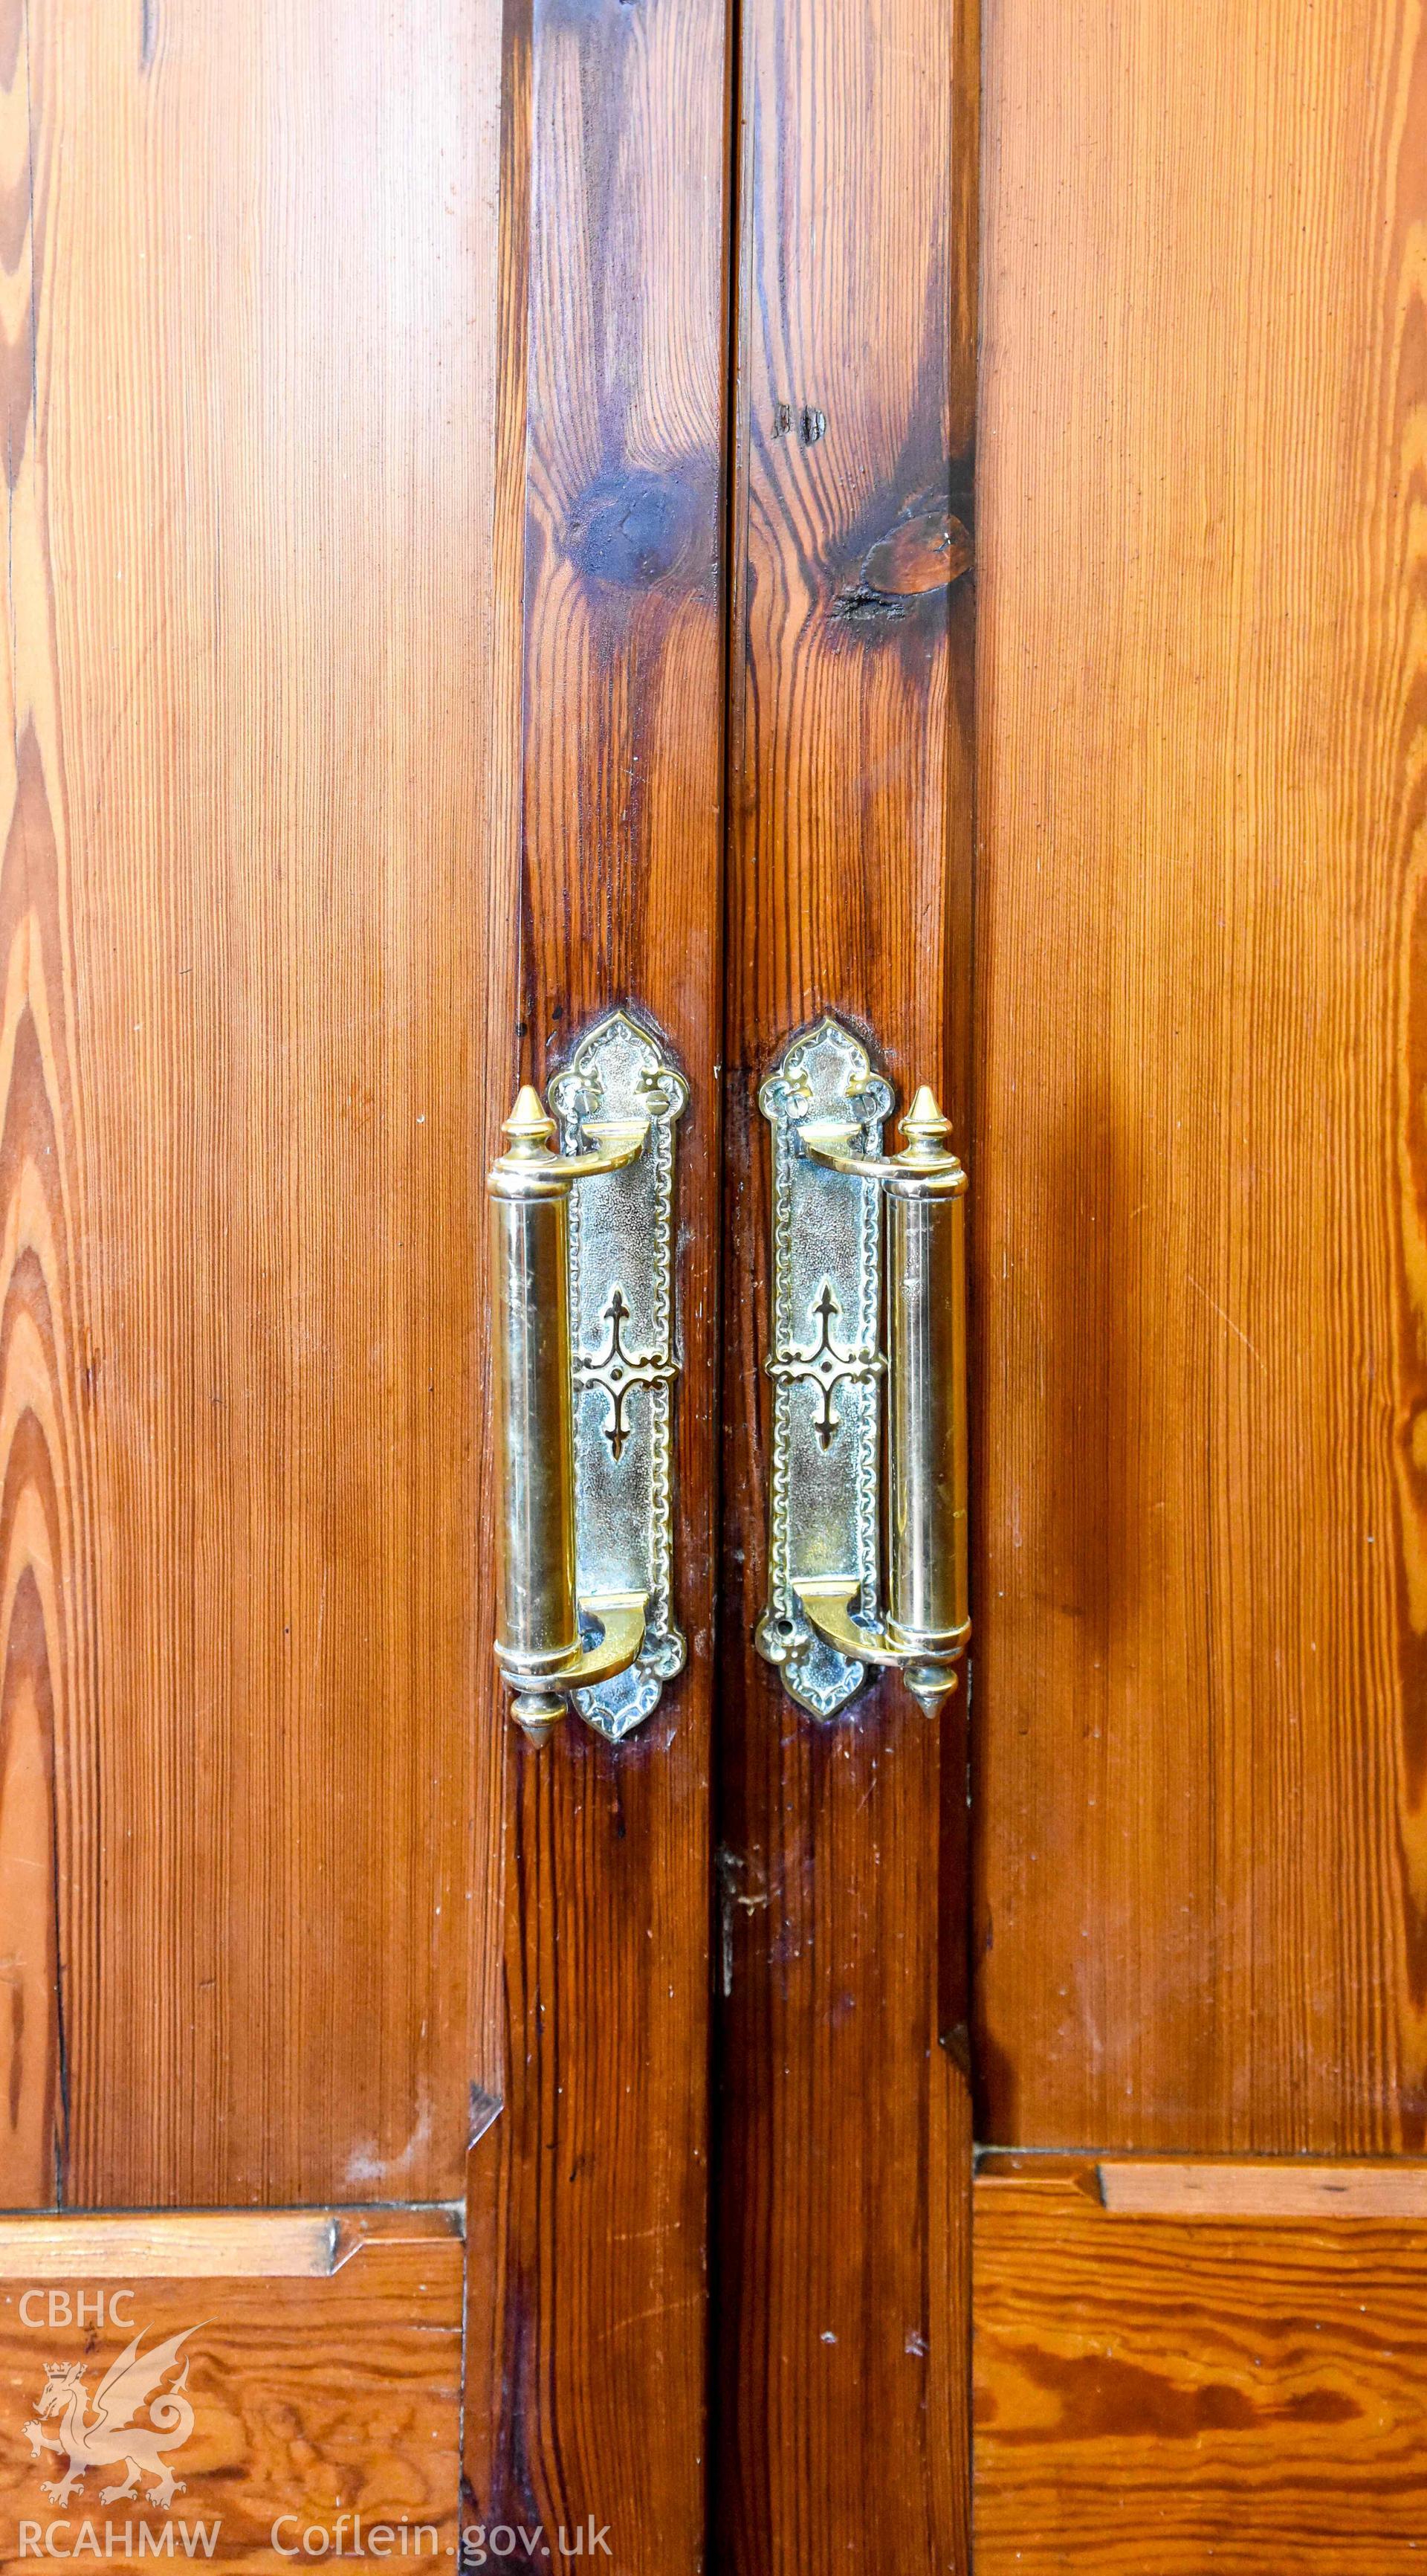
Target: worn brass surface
[(538, 1629), (583, 1368), (825, 1624)]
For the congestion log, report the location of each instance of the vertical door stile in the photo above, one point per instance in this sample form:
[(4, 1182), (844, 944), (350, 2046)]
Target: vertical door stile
[(843, 2129), (586, 2393), (46, 1533)]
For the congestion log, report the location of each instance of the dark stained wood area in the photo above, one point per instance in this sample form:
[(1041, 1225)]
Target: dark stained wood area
[(843, 2121), (1201, 1147), (588, 2321), (247, 297), (1162, 2396)]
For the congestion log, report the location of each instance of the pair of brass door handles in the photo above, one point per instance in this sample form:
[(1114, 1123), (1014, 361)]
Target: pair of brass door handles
[(867, 1558)]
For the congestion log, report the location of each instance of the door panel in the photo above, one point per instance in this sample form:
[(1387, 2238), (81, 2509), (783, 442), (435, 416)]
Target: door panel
[(248, 394), (313, 2385), (1200, 1148), (1183, 2366), (586, 2386), (1200, 1164), (843, 2120)]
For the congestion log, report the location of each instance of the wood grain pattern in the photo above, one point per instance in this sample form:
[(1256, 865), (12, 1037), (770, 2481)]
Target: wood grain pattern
[(167, 2243), (843, 2125), (248, 321), (1201, 1157), (312, 2399), (1215, 2187), (1167, 2395), (586, 2376), (47, 1742)]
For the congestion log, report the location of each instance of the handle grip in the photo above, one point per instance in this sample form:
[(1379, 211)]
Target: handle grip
[(926, 1626), (541, 1626)]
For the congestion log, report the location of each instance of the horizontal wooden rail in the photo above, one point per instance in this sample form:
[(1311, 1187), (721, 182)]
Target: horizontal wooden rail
[(206, 2245)]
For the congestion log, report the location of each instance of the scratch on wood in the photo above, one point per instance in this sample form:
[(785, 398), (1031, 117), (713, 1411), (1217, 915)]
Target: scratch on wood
[(1236, 1329), (729, 1866)]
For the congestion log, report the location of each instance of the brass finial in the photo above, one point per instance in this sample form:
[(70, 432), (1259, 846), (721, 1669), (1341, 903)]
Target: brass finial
[(923, 1128), (528, 1126), (537, 1714), (930, 1684)]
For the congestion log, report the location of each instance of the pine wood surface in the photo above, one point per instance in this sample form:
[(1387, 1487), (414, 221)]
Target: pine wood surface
[(1200, 1155), (268, 2244), (587, 2355), (1169, 2395), (312, 2398), (248, 315), (843, 2122), (1270, 2187)]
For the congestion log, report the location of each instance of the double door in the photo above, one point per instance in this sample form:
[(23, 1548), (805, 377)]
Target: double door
[(824, 526)]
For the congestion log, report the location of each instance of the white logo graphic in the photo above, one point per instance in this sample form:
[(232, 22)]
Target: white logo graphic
[(110, 2434)]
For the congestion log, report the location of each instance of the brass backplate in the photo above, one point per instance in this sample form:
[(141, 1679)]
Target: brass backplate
[(626, 1358), (825, 1361)]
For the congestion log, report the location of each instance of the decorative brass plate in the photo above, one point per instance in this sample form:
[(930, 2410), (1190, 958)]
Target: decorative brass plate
[(825, 1361), (624, 1351), (863, 1329)]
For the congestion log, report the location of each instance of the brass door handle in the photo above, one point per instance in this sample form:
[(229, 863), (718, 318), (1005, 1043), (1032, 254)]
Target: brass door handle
[(836, 1288), (584, 1363)]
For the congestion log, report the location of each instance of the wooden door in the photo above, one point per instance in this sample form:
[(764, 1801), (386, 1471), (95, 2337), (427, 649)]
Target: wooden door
[(248, 1785), (401, 495), (1199, 1165), (364, 642), (511, 512)]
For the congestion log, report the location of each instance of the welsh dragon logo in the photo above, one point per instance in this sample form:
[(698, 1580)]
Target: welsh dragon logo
[(102, 2439)]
